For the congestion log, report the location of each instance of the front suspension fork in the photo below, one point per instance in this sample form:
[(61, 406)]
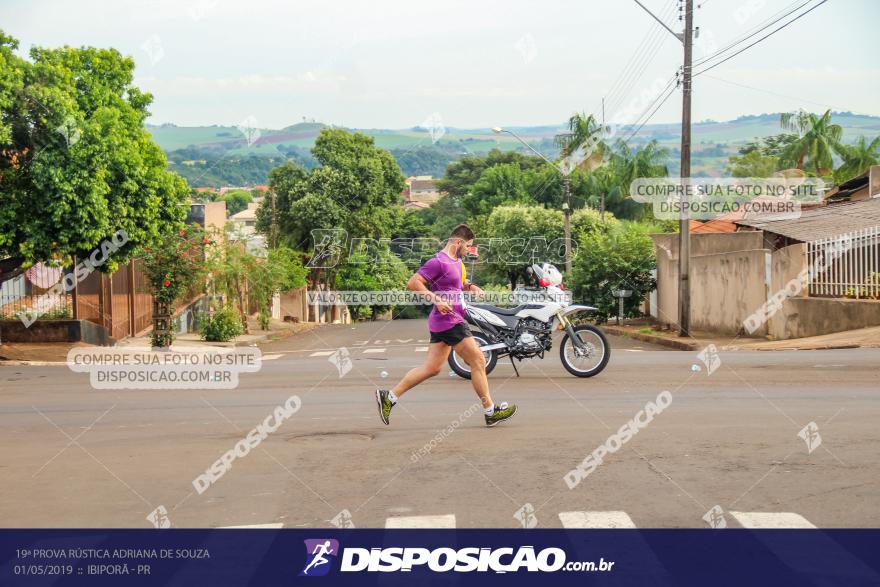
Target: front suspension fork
[(565, 324)]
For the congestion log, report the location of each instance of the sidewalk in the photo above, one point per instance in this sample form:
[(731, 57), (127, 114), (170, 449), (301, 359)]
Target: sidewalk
[(862, 338), (55, 353)]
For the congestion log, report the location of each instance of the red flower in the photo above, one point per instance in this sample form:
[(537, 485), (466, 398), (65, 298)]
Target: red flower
[(167, 282), (182, 232)]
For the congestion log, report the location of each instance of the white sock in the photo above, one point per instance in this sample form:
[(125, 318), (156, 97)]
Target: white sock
[(392, 397), (491, 410)]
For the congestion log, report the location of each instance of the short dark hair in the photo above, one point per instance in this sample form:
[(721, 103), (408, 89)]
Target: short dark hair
[(462, 231)]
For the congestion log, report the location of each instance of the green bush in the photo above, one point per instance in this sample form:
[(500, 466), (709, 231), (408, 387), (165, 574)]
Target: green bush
[(223, 326), (621, 258)]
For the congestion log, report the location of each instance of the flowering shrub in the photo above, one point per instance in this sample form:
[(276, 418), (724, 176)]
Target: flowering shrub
[(173, 266)]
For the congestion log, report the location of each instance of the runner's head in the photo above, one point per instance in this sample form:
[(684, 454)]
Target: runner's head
[(462, 238)]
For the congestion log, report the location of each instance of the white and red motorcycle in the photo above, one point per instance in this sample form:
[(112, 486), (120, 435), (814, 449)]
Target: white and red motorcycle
[(525, 331)]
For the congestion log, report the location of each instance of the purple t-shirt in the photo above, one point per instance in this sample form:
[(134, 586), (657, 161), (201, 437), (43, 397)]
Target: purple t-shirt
[(443, 274)]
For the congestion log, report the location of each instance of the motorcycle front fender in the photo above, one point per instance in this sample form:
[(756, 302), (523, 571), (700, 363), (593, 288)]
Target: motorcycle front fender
[(574, 309)]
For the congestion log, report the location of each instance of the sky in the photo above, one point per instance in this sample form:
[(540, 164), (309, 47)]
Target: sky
[(474, 64)]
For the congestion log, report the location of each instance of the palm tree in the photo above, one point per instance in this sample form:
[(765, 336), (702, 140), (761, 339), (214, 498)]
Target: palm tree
[(817, 141), (858, 158), (583, 130), (627, 166)]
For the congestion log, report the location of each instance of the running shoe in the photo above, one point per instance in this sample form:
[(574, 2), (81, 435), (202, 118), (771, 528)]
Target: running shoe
[(384, 404), (502, 412)]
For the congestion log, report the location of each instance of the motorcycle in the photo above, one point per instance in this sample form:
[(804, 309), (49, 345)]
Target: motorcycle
[(525, 331)]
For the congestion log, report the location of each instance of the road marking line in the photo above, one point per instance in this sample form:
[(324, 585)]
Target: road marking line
[(609, 519), (421, 349), (322, 353), (771, 520), (271, 357), (262, 526), (447, 521), (381, 350)]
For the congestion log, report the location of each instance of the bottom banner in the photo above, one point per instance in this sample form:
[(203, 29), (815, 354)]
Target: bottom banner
[(267, 557)]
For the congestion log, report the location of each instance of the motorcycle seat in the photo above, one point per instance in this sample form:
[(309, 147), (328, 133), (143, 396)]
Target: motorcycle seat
[(502, 311)]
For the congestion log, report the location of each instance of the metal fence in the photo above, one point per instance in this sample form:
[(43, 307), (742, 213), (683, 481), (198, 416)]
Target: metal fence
[(847, 265)]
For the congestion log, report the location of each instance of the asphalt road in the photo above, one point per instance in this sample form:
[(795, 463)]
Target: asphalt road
[(73, 456)]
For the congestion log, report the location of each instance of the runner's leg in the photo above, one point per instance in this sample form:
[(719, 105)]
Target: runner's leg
[(438, 353), (468, 350)]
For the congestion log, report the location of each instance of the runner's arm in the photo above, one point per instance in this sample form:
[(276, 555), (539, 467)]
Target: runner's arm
[(419, 285)]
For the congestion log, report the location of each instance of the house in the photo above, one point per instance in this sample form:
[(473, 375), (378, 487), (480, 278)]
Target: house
[(420, 192), (209, 215), (782, 277), (863, 187), (245, 221)]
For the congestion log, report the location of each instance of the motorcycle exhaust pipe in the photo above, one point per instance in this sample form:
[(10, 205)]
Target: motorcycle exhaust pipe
[(492, 347)]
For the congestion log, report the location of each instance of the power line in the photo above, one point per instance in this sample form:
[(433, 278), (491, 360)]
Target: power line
[(656, 41), (637, 63), (771, 92), (754, 31), (650, 116), (798, 17)]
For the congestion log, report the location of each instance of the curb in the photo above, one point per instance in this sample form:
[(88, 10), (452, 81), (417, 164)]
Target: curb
[(679, 345), (16, 363), (261, 339)]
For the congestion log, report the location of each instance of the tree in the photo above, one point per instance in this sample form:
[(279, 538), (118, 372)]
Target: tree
[(357, 188), (461, 175), (236, 201), (772, 146), (173, 265), (818, 140), (282, 269), (858, 158), (625, 167), (621, 258), (520, 235), (362, 273), (752, 164), (501, 184), (76, 163), (584, 132)]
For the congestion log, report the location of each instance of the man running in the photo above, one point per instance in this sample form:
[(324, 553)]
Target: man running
[(442, 275)]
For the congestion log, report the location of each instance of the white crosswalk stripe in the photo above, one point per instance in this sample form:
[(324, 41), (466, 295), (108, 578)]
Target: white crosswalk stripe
[(421, 349), (583, 519), (252, 526), (322, 353), (447, 521), (271, 357), (771, 520), (608, 519), (380, 350)]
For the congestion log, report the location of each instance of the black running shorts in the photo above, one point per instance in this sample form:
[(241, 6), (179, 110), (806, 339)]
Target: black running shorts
[(453, 336)]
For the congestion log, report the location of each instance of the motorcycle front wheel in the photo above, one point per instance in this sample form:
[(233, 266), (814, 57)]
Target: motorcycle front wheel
[(460, 366), (589, 360)]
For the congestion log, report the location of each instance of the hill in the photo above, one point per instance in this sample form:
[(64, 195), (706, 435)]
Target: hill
[(221, 155)]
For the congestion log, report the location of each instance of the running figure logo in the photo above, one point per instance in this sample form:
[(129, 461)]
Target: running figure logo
[(318, 552)]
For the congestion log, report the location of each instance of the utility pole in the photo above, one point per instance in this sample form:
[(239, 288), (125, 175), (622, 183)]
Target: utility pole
[(684, 286), (566, 211), (686, 38)]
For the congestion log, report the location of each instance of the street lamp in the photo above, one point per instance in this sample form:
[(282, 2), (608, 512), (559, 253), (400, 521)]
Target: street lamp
[(566, 193)]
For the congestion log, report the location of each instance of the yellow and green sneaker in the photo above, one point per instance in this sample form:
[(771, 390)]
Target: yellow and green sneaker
[(501, 413), (384, 403)]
